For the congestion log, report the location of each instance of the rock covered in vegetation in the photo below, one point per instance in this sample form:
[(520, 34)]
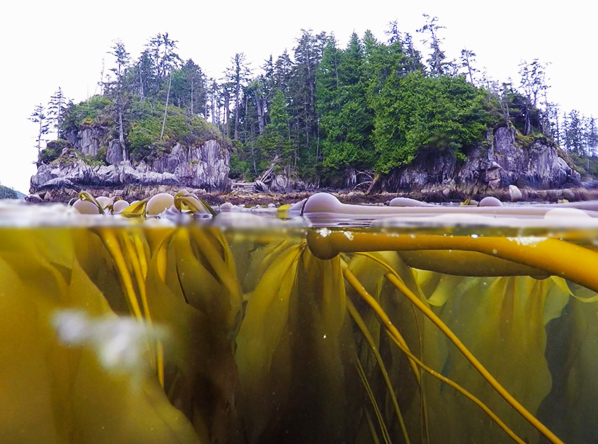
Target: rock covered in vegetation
[(506, 159)]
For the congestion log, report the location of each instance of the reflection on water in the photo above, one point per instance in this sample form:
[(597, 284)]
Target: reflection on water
[(245, 331)]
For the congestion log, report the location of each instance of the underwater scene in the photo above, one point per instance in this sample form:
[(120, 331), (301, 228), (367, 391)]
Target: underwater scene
[(317, 322)]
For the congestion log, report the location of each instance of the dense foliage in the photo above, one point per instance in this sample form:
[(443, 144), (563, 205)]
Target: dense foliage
[(324, 113)]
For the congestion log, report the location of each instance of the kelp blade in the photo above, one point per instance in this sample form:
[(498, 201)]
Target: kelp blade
[(261, 345)]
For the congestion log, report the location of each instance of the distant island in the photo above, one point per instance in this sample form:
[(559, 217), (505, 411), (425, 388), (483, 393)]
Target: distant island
[(373, 116)]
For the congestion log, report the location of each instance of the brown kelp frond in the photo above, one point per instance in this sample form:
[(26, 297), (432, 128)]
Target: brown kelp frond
[(131, 263), (136, 209), (461, 390), (359, 322), (395, 279), (185, 201), (374, 404), (354, 282)]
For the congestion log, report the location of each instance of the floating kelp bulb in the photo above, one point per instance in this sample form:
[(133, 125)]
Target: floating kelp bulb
[(119, 205), (567, 213), (295, 209), (407, 202), (322, 202), (104, 201), (86, 207), (226, 207), (490, 201), (159, 203)]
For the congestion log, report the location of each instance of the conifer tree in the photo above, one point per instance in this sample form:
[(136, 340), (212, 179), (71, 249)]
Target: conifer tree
[(436, 61), (39, 117), (57, 108), (122, 59)]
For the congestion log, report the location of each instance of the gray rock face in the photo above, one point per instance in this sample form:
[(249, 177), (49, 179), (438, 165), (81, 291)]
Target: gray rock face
[(206, 166), (502, 163), (78, 174), (89, 140), (114, 153)]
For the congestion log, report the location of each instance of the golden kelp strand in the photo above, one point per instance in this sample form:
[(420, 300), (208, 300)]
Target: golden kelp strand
[(396, 280), (361, 324), (554, 256), (372, 398), (402, 345), (371, 427), (354, 282), (113, 247), (136, 252), (461, 390)]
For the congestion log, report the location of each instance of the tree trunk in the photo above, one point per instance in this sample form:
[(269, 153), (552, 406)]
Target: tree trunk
[(260, 113), (166, 107)]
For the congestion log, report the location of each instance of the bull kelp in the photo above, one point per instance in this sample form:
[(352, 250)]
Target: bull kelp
[(224, 327)]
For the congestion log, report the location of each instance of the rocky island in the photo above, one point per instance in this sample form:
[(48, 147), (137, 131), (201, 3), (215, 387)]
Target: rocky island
[(370, 119)]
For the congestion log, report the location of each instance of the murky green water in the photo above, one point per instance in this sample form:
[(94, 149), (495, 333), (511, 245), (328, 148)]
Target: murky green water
[(247, 332)]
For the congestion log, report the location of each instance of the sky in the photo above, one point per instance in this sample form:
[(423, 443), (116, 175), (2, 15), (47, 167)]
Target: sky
[(61, 43)]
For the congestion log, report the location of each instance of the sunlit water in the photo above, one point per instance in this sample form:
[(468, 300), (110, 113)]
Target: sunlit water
[(247, 328)]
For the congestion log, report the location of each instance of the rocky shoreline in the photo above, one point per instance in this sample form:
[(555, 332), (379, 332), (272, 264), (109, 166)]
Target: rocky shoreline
[(244, 197), (507, 166)]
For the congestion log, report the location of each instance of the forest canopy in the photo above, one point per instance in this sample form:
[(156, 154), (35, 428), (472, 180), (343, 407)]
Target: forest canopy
[(323, 113)]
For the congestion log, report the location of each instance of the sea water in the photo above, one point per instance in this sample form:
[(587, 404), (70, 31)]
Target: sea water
[(248, 329)]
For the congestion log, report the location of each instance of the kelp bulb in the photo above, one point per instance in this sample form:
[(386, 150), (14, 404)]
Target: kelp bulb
[(86, 207), (321, 202), (407, 202), (490, 201), (158, 203), (104, 201), (119, 205)]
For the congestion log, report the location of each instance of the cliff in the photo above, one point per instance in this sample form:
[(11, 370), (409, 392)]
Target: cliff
[(505, 159), (201, 166)]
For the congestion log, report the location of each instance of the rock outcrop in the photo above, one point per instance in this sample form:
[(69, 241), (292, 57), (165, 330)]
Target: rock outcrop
[(502, 161), (204, 166)]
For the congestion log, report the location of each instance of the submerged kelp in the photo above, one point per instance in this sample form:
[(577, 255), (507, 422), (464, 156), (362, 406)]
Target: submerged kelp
[(120, 330)]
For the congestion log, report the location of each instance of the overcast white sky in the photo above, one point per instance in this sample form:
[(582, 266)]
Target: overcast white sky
[(47, 44)]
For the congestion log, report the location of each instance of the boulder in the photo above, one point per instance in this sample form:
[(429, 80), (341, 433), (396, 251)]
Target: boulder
[(515, 193)]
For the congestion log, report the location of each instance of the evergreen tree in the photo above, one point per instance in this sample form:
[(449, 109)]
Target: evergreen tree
[(574, 134), (237, 76), (145, 81), (436, 61), (591, 136), (162, 50), (418, 115), (57, 108), (118, 88), (189, 88), (308, 54), (275, 142), (533, 82), (467, 63), (345, 117), (39, 117)]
